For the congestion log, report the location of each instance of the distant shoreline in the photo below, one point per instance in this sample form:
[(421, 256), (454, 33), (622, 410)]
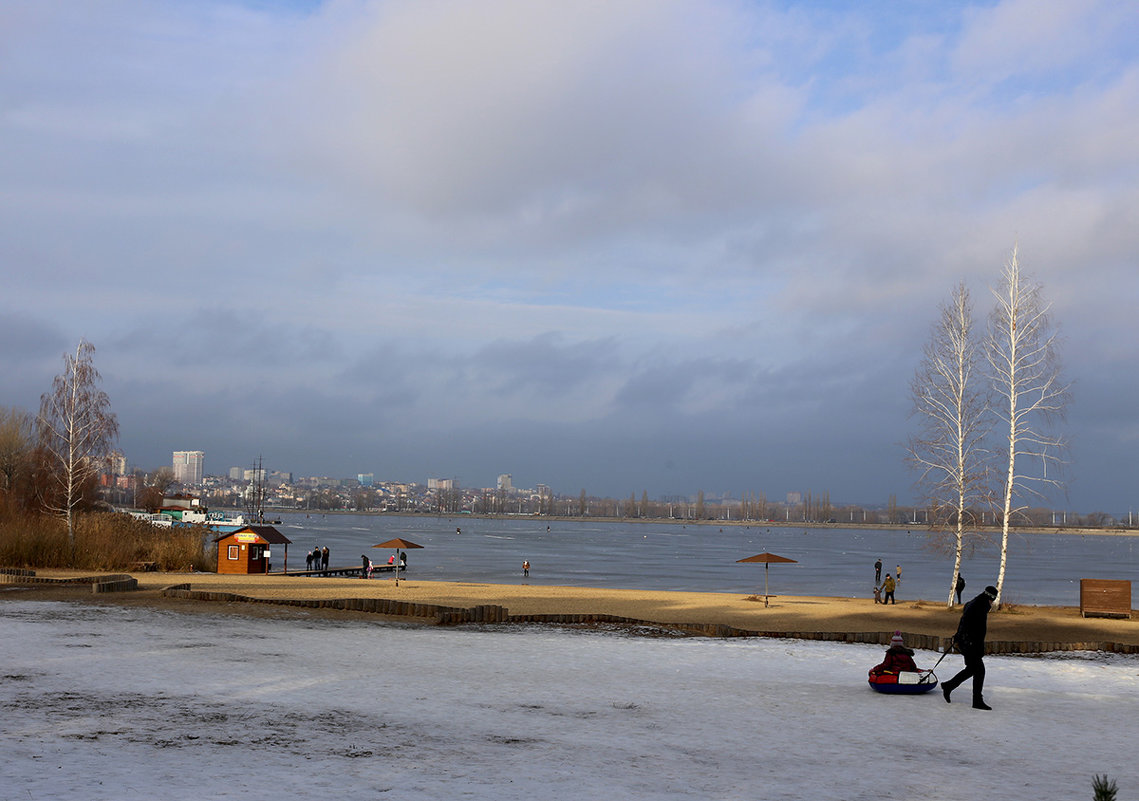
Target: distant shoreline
[(1115, 531)]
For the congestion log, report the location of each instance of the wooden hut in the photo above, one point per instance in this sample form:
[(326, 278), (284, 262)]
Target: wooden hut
[(246, 550)]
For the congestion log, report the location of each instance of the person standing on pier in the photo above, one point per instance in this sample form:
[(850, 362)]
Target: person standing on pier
[(324, 558)]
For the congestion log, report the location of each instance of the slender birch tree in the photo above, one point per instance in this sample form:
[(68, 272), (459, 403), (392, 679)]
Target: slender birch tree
[(949, 401), (76, 430), (1030, 396)]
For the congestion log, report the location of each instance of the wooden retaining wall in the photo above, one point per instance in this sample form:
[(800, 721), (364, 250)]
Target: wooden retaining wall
[(456, 616), (120, 582), (115, 584)]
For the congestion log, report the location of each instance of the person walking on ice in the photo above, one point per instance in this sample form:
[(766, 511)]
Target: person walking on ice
[(888, 587), (970, 641)]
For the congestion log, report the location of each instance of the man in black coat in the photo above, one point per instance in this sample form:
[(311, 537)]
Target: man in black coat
[(970, 641)]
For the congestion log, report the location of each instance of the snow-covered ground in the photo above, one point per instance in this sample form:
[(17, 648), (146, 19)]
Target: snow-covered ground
[(121, 703)]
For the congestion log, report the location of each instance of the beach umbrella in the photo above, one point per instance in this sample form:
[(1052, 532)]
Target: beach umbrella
[(767, 559), (399, 543)]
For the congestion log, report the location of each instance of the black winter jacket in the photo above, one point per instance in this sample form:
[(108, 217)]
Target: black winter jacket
[(974, 623)]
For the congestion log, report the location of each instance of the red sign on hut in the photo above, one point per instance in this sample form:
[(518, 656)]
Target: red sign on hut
[(247, 550)]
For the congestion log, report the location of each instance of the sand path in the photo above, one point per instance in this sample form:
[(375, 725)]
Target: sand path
[(785, 613)]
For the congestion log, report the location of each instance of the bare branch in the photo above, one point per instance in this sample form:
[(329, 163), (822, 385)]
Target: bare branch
[(1031, 397), (77, 430)]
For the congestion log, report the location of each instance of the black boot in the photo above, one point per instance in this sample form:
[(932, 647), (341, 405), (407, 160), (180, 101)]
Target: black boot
[(946, 690), (979, 703)]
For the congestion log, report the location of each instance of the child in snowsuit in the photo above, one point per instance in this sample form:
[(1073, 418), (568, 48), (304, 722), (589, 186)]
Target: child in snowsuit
[(898, 657)]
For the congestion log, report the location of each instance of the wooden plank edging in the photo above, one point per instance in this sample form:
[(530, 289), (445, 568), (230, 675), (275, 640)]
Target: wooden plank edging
[(494, 614)]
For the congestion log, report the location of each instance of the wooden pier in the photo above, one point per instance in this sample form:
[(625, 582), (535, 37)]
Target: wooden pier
[(340, 572)]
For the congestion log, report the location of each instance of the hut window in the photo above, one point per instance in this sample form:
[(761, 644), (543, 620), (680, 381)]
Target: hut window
[(233, 552)]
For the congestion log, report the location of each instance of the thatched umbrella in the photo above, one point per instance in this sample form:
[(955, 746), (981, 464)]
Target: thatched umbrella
[(399, 543), (767, 559)]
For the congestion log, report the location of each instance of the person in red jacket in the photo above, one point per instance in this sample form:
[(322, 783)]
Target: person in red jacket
[(898, 657)]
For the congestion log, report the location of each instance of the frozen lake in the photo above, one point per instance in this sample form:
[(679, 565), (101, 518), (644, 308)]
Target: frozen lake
[(1042, 568), (123, 703)]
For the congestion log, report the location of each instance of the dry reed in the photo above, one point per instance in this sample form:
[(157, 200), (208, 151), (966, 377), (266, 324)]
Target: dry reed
[(103, 541)]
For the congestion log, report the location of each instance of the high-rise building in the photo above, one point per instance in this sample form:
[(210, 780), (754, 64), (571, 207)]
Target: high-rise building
[(366, 479), (505, 482), (236, 473), (118, 463), (188, 466)]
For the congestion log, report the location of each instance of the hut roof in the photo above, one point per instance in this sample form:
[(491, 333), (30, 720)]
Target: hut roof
[(267, 533)]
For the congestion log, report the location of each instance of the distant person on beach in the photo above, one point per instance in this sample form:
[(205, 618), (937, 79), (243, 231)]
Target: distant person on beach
[(960, 587), (970, 641), (308, 561), (888, 587), (365, 563), (898, 574), (877, 594), (878, 572), (898, 657), (324, 558), (526, 568)]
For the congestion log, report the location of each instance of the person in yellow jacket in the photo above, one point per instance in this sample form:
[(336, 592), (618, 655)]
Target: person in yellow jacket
[(888, 587)]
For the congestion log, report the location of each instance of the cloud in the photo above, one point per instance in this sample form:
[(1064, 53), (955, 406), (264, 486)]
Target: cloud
[(677, 232)]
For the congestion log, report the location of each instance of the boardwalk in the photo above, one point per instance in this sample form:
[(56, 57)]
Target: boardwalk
[(350, 572)]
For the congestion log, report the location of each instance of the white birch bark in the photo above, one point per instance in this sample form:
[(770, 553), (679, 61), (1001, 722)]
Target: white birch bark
[(949, 401), (76, 430), (1031, 397)]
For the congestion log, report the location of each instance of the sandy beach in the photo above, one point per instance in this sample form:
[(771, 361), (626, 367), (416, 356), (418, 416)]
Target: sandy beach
[(784, 614)]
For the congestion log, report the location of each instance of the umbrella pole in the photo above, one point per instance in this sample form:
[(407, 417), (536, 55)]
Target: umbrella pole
[(397, 567), (766, 565)]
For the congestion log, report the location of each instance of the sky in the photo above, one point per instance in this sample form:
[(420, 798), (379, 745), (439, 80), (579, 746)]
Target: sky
[(114, 702), (647, 246)]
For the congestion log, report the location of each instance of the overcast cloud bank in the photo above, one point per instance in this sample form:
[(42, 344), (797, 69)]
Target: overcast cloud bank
[(659, 246)]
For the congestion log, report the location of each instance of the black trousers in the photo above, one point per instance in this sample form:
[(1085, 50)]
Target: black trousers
[(889, 598), (974, 668)]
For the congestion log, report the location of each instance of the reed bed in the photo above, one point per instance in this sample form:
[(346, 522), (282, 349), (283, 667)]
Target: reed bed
[(103, 541)]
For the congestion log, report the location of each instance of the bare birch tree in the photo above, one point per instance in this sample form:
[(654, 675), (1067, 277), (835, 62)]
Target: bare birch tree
[(76, 429), (1030, 396), (949, 401)]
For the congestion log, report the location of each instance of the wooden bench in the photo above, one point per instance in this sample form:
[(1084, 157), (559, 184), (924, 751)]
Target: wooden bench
[(1105, 598)]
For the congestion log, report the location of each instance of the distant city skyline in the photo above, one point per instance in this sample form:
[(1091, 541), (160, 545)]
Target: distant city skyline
[(626, 247)]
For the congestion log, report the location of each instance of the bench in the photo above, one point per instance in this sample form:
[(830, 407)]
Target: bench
[(1105, 598)]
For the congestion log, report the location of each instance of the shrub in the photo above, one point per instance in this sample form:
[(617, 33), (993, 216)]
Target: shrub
[(103, 541)]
